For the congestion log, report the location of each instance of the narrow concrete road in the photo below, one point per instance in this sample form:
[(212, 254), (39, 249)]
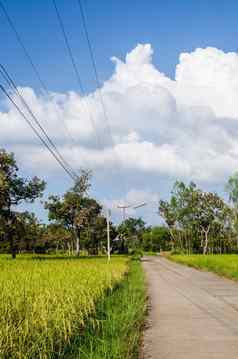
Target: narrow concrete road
[(194, 315)]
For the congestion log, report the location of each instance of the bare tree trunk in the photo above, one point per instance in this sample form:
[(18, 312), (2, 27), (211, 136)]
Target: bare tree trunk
[(172, 238), (180, 240), (14, 252), (77, 246), (206, 240), (69, 248), (205, 244), (77, 240), (201, 244), (10, 238)]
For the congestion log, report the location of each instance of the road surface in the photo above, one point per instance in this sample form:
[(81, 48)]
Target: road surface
[(193, 315)]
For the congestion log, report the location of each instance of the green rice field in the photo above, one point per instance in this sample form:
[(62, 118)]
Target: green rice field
[(224, 264), (46, 301)]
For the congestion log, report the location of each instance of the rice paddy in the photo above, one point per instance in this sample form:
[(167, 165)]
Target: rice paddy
[(46, 301), (222, 264)]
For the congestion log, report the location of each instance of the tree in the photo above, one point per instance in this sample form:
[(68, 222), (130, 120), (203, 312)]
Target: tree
[(193, 214), (96, 235), (211, 213), (157, 239), (130, 232), (74, 210), (28, 231), (168, 212), (232, 189), (55, 237), (14, 190)]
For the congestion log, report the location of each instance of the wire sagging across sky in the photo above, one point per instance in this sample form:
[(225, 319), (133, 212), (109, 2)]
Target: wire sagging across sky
[(38, 127), (98, 85), (44, 89), (76, 71), (37, 133)]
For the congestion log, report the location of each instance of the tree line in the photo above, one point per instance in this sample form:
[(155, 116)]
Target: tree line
[(76, 221), (195, 221), (200, 221)]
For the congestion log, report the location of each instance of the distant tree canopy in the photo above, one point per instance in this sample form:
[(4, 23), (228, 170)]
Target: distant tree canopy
[(232, 189), (197, 220), (13, 191), (77, 212), (76, 220), (130, 234), (156, 239)]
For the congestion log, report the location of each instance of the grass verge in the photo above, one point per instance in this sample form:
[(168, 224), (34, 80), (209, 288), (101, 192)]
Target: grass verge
[(115, 330), (224, 264)]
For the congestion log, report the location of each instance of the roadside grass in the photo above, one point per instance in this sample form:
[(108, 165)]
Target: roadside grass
[(222, 264), (114, 332), (46, 301), (150, 253)]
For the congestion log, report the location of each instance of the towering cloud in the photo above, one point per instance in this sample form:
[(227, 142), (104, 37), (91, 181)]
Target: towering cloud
[(185, 127)]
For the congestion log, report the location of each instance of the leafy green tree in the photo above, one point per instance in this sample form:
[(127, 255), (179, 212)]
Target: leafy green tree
[(232, 189), (157, 239), (14, 190), (192, 214), (130, 232), (211, 213), (28, 231), (167, 211), (74, 210), (55, 237), (96, 235)]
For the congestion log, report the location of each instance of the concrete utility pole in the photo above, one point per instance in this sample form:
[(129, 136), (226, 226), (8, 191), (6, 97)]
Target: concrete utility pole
[(108, 235)]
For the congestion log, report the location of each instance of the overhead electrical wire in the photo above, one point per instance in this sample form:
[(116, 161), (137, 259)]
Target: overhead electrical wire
[(37, 73), (12, 84), (21, 43), (94, 65), (61, 24), (78, 78), (76, 71), (37, 133), (90, 48), (34, 67), (74, 65)]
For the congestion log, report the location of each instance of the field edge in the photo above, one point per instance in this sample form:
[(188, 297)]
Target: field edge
[(217, 264), (115, 331)]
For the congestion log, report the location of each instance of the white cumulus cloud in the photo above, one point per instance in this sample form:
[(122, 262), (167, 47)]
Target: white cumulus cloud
[(185, 127)]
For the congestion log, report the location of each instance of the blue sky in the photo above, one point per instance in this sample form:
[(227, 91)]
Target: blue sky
[(115, 28)]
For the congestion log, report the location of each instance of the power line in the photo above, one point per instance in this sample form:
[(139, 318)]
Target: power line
[(89, 43), (74, 65), (20, 41), (93, 60), (12, 84), (37, 133), (94, 68), (30, 60), (75, 68), (68, 46)]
